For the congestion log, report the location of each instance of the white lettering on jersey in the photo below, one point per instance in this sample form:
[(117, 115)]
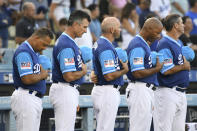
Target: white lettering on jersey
[(36, 68), (79, 61), (180, 59), (150, 61)]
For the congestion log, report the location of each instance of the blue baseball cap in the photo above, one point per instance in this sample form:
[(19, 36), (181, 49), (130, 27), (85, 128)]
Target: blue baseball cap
[(122, 54), (86, 53), (154, 56), (45, 62), (188, 53)]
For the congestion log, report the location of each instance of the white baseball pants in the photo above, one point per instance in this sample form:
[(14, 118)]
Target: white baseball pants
[(170, 110), (27, 110), (106, 100), (64, 99), (140, 101)]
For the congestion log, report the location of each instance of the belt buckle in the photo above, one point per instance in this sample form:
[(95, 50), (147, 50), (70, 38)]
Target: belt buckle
[(35, 93), (179, 89), (39, 95), (151, 86), (76, 86), (117, 87)]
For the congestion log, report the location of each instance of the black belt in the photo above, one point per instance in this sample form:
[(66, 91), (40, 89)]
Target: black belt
[(71, 84), (31, 92), (152, 86), (178, 89), (37, 94), (115, 86), (74, 85)]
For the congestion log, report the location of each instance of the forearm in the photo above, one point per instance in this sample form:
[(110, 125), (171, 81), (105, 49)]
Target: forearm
[(114, 75), (145, 72), (174, 70), (178, 7), (52, 9), (32, 79), (72, 76)]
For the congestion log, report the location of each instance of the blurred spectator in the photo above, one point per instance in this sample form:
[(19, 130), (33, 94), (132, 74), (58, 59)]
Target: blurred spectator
[(15, 7), (134, 1), (81, 4), (192, 13), (142, 5), (186, 38), (95, 25), (86, 39), (161, 7), (41, 11), (49, 2), (104, 10), (179, 7), (115, 7), (130, 24), (73, 4), (5, 22), (62, 25), (89, 2), (26, 26), (59, 9), (145, 6)]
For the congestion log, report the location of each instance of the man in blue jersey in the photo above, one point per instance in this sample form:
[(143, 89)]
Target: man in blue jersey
[(109, 70), (67, 72), (142, 76), (170, 98), (29, 81)]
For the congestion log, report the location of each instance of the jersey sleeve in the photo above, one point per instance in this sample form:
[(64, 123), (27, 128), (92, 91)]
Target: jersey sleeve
[(136, 59), (107, 61), (24, 63), (168, 60), (66, 60)]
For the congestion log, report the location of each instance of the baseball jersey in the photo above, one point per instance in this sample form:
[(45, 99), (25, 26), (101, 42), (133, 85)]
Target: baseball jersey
[(172, 53), (66, 58), (105, 60), (26, 61), (139, 58), (193, 16)]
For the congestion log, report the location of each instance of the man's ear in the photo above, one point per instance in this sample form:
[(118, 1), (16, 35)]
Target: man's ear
[(112, 30), (36, 37), (75, 23), (176, 25)]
